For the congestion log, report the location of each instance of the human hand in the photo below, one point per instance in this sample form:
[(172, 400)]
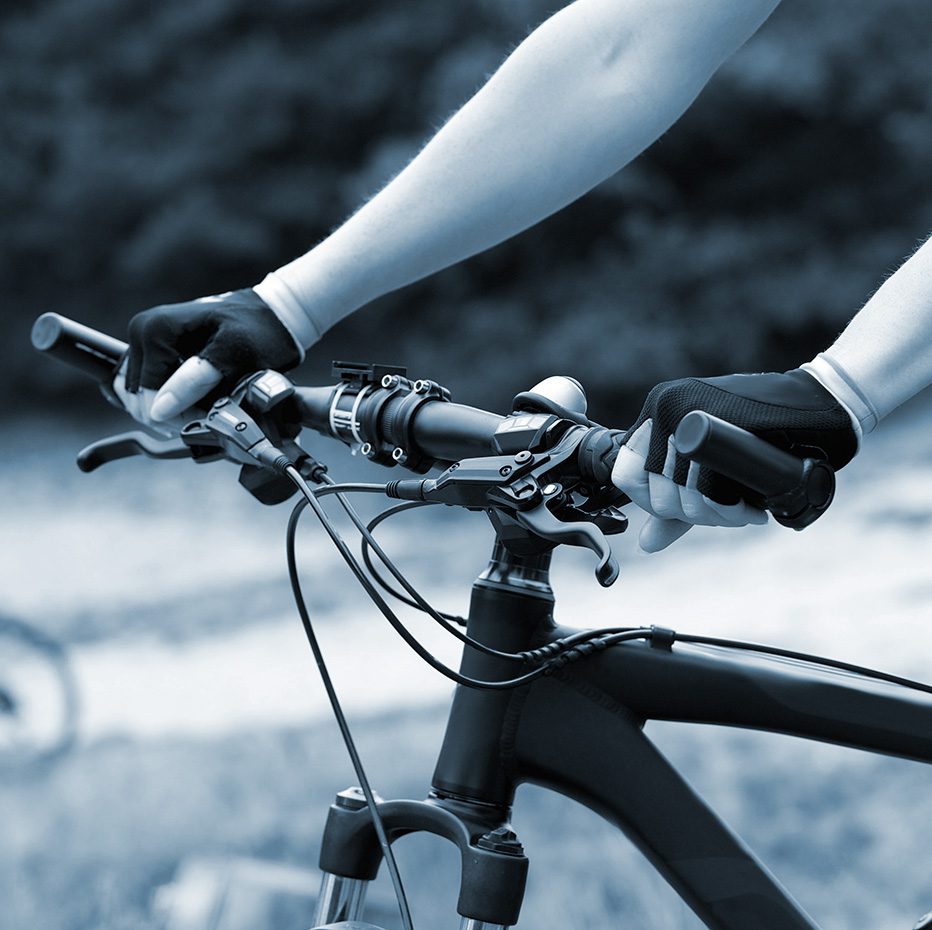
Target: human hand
[(180, 352), (791, 410)]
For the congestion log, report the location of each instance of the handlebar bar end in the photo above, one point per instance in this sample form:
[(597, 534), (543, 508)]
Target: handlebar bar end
[(94, 353)]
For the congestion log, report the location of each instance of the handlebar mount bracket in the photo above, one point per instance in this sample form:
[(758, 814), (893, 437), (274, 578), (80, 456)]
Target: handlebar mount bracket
[(380, 428)]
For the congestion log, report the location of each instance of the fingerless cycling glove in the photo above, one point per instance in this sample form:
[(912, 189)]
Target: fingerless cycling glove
[(236, 332), (791, 410)]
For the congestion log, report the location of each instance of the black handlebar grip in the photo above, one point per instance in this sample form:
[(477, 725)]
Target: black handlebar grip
[(737, 454), (92, 352), (796, 491)]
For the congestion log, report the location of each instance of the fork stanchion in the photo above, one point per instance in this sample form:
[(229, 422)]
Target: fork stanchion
[(340, 899)]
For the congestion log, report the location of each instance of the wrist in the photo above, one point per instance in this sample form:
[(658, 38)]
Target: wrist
[(839, 383), (281, 300)]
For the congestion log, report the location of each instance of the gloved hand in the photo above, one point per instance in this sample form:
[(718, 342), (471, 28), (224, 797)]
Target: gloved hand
[(180, 352), (792, 411)]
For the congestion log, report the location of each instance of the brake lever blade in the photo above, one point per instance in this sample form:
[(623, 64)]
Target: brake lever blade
[(125, 445), (543, 523)]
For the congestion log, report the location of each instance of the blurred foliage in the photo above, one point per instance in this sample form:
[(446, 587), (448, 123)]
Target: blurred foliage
[(156, 152)]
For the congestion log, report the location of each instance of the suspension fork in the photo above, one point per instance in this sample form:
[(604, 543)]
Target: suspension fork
[(470, 804), (494, 868)]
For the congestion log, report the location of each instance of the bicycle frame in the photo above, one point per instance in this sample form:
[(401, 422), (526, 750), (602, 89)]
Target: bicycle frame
[(579, 732)]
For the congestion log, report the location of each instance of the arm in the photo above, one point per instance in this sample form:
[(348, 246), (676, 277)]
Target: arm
[(884, 356), (583, 95)]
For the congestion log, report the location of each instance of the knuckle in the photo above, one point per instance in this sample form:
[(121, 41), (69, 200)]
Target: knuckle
[(665, 502), (697, 511), (149, 323)]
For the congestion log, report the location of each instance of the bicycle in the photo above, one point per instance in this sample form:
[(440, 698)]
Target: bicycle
[(38, 699), (535, 701)]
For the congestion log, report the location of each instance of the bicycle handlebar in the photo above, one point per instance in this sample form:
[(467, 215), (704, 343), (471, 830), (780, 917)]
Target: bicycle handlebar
[(439, 430), (398, 422)]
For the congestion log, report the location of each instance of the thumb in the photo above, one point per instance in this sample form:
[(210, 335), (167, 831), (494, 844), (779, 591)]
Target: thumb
[(657, 533), (193, 379)]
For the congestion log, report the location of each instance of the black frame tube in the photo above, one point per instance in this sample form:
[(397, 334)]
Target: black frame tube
[(579, 733)]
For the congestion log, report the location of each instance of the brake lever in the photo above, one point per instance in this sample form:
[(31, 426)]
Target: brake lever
[(541, 521), (126, 445), (524, 487)]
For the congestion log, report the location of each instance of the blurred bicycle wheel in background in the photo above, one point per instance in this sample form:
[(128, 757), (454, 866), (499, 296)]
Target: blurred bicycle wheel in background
[(38, 699)]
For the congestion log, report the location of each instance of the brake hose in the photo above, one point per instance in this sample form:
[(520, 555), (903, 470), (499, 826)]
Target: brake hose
[(418, 601), (383, 582), (377, 599), (343, 725), (554, 654)]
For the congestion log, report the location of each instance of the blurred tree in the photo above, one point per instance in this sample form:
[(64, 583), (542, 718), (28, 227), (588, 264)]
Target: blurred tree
[(156, 152)]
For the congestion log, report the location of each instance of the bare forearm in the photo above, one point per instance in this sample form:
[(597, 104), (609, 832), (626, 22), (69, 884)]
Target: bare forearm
[(578, 99), (884, 356)]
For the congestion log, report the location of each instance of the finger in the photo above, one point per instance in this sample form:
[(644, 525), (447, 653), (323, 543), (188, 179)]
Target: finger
[(675, 466), (639, 441), (697, 510), (134, 357), (665, 498), (669, 462), (693, 502), (193, 379), (119, 384), (657, 534), (740, 514), (628, 472), (664, 492), (138, 405)]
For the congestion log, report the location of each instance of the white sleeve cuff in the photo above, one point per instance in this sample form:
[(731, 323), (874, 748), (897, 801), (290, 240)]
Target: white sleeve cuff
[(288, 309), (841, 385)]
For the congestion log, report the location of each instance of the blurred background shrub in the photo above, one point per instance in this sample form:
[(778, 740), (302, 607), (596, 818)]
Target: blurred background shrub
[(157, 152)]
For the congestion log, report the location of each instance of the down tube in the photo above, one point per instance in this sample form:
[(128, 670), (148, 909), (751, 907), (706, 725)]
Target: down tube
[(576, 740)]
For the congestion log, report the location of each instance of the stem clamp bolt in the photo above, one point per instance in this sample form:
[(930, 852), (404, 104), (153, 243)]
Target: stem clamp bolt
[(501, 840), (390, 381), (399, 455)]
